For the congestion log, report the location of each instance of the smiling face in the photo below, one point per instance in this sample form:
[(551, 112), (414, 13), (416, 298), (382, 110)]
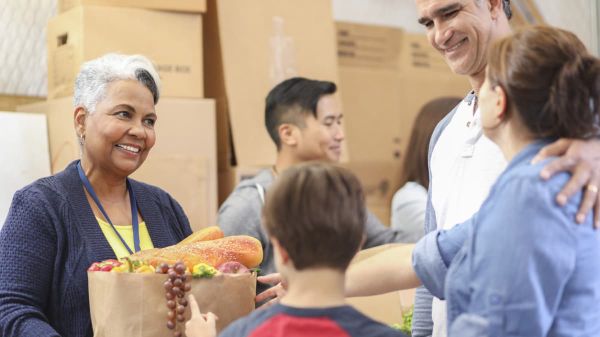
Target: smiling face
[(461, 30), (120, 133), (321, 138)]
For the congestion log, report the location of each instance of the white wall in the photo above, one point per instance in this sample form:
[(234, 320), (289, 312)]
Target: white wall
[(24, 153), (578, 16), (23, 46), (394, 13)]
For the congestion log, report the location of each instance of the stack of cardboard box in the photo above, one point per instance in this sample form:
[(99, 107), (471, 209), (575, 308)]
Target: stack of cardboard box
[(250, 46), (169, 33), (90, 28)]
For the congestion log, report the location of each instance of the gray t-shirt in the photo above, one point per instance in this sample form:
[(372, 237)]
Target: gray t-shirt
[(240, 214), (408, 210)]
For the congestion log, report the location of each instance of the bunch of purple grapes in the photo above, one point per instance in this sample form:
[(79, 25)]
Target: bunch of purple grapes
[(176, 285)]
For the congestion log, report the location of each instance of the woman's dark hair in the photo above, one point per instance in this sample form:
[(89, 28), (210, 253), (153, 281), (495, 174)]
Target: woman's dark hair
[(551, 81), (414, 167)]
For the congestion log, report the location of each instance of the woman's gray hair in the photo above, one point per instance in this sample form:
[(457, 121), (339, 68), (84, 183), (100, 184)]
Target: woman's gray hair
[(95, 75)]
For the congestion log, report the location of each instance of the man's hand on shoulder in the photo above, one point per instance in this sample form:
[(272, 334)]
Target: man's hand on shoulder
[(582, 159)]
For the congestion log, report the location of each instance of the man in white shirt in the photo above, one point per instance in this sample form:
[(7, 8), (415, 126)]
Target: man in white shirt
[(463, 163)]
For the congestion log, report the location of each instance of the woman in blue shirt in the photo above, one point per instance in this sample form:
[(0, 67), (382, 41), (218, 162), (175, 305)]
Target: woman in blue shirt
[(521, 266), (526, 268)]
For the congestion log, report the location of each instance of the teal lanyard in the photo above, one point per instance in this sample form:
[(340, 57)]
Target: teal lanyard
[(134, 211)]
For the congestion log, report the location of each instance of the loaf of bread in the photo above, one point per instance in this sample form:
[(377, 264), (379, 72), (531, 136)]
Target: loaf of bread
[(205, 234), (209, 247), (241, 248)]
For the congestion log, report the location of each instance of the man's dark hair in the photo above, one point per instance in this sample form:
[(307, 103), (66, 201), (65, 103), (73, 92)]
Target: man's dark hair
[(291, 100)]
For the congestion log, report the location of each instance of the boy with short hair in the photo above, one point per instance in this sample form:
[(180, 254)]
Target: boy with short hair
[(315, 217)]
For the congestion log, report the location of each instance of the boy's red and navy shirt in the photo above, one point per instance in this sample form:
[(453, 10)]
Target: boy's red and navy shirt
[(284, 321)]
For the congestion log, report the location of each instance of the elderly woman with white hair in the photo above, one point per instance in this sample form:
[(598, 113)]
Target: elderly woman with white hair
[(59, 225)]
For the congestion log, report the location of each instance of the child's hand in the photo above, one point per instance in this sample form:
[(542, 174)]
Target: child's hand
[(200, 325), (274, 293)]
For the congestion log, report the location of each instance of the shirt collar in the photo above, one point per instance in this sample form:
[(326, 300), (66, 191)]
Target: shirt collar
[(471, 97)]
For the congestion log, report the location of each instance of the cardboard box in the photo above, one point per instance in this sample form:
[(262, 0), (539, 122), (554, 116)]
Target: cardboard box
[(188, 178), (182, 162), (380, 180), (193, 6), (173, 41), (387, 308), (387, 75), (10, 102), (251, 46)]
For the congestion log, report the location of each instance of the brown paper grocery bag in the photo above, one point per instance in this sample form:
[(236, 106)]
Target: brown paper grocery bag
[(134, 305)]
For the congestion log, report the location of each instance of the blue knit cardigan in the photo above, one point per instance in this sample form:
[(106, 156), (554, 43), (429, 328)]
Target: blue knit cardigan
[(48, 241)]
